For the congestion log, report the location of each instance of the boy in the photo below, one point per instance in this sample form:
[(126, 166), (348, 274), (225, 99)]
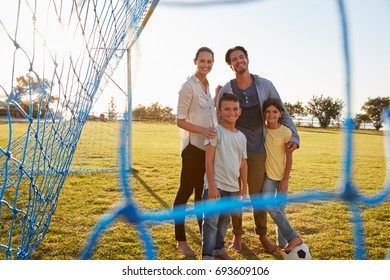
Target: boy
[(225, 166)]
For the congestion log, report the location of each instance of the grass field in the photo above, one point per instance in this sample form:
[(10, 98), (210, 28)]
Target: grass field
[(324, 226)]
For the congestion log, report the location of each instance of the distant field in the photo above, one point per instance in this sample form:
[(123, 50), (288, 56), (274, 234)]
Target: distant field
[(324, 226)]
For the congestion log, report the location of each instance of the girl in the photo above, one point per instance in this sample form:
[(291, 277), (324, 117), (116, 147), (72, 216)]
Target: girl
[(277, 169)]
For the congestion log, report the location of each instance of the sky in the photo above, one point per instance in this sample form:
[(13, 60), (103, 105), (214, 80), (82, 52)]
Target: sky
[(297, 44)]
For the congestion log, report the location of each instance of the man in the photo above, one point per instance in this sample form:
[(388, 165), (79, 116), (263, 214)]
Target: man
[(252, 90)]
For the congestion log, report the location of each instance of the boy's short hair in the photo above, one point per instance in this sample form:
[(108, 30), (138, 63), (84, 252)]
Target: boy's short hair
[(228, 96)]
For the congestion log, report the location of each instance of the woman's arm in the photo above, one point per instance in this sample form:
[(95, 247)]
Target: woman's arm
[(207, 132), (210, 155)]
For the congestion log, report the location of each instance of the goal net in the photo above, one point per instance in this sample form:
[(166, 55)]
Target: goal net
[(58, 55)]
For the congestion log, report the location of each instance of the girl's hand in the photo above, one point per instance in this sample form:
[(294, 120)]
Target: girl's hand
[(283, 185)]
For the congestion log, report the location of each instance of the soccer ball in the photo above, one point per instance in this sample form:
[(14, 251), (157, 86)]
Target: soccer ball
[(300, 252)]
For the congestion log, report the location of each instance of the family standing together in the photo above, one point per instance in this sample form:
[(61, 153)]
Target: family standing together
[(241, 139)]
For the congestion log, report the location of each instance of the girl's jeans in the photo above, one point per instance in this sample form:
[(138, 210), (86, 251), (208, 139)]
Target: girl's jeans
[(284, 231)]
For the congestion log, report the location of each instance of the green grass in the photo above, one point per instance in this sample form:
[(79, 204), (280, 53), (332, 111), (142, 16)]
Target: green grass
[(324, 225)]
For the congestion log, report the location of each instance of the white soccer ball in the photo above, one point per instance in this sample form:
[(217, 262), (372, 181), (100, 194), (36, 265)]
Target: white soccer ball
[(300, 252)]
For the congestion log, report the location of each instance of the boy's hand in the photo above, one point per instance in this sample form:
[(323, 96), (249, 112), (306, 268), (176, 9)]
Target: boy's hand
[(243, 193), (213, 193)]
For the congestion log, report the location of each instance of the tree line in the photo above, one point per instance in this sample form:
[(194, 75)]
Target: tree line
[(326, 110)]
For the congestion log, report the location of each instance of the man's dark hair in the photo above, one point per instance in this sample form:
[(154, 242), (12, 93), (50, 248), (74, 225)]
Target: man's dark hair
[(236, 48)]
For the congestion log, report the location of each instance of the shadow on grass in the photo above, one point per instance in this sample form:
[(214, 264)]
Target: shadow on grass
[(248, 253), (194, 236), (149, 189)]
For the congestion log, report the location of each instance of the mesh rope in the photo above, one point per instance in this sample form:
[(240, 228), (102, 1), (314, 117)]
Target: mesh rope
[(65, 50)]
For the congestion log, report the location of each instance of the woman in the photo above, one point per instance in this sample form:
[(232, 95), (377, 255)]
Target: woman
[(196, 118)]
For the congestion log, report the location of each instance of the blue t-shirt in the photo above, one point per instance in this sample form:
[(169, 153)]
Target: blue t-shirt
[(251, 121)]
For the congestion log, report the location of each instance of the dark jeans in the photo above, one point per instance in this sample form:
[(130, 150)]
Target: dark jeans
[(214, 228), (192, 177), (256, 173)]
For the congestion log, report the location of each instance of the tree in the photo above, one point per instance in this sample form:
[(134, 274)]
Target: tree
[(139, 112), (112, 114), (374, 107), (290, 108), (154, 112), (167, 115), (31, 91), (325, 109), (295, 110), (361, 119)]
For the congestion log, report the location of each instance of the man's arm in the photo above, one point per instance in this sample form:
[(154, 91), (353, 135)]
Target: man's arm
[(225, 88), (287, 121)]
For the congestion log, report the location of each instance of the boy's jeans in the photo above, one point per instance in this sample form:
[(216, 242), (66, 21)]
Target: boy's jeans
[(285, 231), (214, 229)]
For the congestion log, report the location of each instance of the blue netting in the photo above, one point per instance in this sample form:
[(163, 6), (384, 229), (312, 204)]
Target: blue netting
[(63, 50)]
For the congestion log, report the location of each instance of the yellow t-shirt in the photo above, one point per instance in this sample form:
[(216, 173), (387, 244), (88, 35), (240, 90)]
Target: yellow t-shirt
[(275, 162)]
